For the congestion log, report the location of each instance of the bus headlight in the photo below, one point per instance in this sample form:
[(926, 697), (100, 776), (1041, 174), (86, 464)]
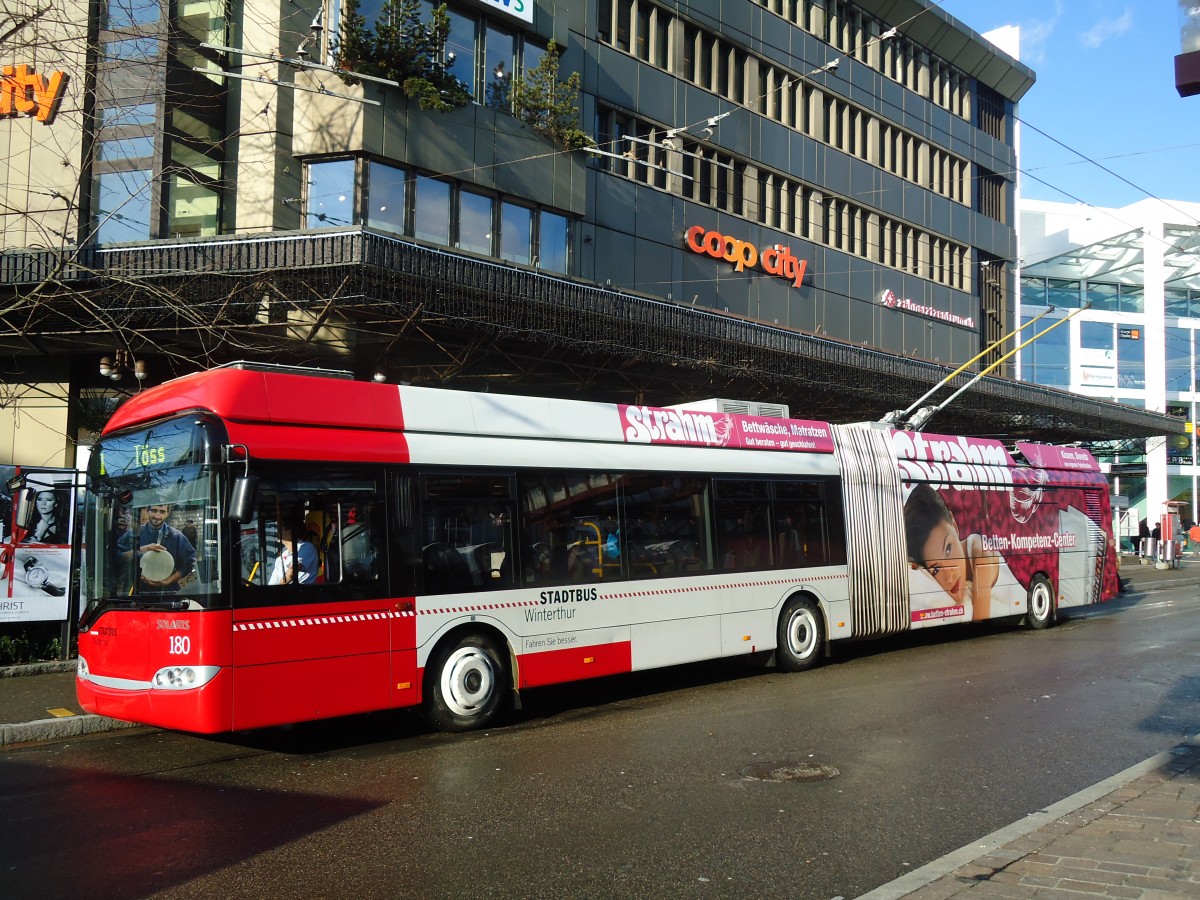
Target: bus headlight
[(81, 668), (183, 678)]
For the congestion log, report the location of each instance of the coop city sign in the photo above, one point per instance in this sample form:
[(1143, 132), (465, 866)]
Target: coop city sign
[(24, 92), (775, 260)]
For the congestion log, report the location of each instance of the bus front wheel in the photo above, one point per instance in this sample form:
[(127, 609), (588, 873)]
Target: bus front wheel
[(801, 636), (1042, 608), (468, 684)]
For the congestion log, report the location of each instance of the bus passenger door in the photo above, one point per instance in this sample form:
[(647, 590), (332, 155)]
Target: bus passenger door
[(404, 684), (311, 614)]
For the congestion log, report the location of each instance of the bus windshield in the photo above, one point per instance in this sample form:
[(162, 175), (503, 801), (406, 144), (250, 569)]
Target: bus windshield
[(152, 515)]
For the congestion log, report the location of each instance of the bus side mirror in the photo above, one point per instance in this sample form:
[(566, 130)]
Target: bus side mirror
[(241, 498), (26, 506)]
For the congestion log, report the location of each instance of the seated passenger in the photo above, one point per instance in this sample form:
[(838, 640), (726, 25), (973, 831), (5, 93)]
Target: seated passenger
[(298, 561)]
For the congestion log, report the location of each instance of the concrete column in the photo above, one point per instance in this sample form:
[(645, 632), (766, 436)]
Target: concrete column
[(816, 217), (818, 18), (872, 151), (750, 196)]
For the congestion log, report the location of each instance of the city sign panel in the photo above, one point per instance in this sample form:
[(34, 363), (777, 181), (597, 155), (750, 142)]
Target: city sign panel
[(889, 299), (518, 9)]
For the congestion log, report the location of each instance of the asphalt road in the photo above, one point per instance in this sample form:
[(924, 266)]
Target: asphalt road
[(706, 781)]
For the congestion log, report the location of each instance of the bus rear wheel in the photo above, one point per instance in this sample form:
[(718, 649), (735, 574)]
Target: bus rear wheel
[(468, 683), (1042, 610), (801, 638)]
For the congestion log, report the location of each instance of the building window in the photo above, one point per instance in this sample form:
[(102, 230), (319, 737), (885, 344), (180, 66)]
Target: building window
[(481, 55), (130, 13), (139, 73), (500, 54), (1033, 291), (1103, 297), (990, 118), (553, 242), (198, 163), (516, 227), (989, 195), (130, 148), (142, 49), (137, 114), (531, 55), (193, 209), (200, 20), (371, 11), (330, 200), (1133, 299), (1179, 302), (400, 203), (474, 222), (1061, 293), (1095, 359), (123, 206), (1179, 359), (460, 49), (196, 157), (648, 31), (1045, 360), (386, 195), (1096, 336), (431, 210), (1131, 358)]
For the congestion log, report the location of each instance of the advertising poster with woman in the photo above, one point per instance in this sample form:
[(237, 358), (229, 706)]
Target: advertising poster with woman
[(37, 555), (981, 527)]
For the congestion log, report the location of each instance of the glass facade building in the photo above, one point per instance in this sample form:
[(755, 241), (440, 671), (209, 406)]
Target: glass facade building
[(1123, 283)]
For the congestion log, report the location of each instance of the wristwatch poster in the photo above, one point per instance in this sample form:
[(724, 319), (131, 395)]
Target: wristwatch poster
[(36, 576)]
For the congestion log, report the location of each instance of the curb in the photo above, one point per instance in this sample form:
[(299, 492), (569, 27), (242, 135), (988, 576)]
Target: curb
[(39, 668), (59, 729), (53, 729)]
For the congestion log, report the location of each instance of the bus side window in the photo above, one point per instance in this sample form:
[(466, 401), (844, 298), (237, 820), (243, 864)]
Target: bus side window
[(466, 532), (570, 532), (288, 542), (744, 525), (666, 520), (801, 523), (323, 537), (351, 543)]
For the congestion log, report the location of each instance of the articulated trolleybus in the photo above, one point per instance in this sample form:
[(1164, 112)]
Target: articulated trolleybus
[(266, 546)]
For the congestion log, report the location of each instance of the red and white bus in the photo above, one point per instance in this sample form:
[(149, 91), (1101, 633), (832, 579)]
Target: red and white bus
[(267, 546)]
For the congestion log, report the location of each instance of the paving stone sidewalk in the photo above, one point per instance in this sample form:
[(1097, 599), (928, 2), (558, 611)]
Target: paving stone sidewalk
[(1139, 839)]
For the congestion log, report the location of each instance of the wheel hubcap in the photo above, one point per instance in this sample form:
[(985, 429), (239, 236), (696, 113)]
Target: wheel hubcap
[(802, 634), (468, 680), (1041, 602)]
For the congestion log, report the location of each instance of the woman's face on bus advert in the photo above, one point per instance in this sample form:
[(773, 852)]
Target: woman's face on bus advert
[(945, 559)]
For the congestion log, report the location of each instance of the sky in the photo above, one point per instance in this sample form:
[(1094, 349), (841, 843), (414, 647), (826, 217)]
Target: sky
[(1105, 92)]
